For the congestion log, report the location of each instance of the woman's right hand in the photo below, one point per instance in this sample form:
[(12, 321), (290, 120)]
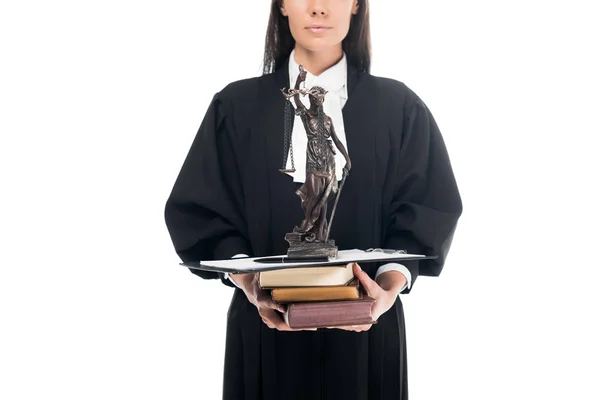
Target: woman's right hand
[(267, 308)]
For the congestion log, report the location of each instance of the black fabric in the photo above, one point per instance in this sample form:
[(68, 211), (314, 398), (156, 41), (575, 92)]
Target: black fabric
[(230, 198)]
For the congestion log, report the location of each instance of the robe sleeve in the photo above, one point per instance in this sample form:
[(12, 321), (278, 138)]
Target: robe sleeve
[(426, 204), (204, 213)]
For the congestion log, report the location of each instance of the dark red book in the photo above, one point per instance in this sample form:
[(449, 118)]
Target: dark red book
[(323, 314)]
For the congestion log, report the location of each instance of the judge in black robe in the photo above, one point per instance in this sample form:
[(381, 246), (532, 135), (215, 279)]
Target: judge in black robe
[(230, 198)]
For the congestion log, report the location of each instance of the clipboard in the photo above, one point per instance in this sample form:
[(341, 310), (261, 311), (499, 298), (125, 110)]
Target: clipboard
[(252, 264)]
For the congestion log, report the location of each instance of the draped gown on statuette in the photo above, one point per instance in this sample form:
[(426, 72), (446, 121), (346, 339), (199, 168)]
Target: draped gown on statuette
[(230, 198), (320, 185)]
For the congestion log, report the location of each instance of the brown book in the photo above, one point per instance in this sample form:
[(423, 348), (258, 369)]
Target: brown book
[(335, 275), (350, 291), (329, 313)]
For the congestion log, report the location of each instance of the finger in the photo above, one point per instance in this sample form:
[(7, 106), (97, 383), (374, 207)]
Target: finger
[(270, 317), (290, 329), (362, 328), (359, 328), (265, 318), (265, 300), (274, 320), (342, 327), (371, 287), (352, 328), (276, 306), (267, 322)]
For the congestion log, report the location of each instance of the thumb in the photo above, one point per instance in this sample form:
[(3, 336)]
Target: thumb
[(369, 284)]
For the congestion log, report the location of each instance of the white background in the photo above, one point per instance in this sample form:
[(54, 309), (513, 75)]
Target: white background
[(99, 102)]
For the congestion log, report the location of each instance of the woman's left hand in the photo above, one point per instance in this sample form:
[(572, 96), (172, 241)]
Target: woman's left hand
[(384, 299)]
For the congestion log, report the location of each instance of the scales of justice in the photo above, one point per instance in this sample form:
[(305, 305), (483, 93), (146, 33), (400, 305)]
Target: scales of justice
[(311, 238)]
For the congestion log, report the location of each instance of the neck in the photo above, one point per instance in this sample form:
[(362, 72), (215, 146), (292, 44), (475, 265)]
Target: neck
[(316, 62), (314, 108)]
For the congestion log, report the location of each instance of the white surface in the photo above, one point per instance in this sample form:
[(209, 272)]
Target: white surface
[(344, 257), (100, 101)]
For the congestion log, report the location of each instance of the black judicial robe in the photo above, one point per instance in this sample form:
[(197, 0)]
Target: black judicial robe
[(230, 198)]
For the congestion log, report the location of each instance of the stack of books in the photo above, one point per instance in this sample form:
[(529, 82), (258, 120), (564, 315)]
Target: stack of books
[(318, 297)]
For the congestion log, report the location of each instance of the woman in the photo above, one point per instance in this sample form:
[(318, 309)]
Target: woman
[(230, 199)]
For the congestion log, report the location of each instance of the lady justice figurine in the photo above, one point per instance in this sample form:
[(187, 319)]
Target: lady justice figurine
[(311, 238)]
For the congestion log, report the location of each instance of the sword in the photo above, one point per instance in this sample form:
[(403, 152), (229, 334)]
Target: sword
[(344, 175)]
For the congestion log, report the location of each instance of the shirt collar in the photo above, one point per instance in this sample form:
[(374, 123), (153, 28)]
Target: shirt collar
[(332, 79)]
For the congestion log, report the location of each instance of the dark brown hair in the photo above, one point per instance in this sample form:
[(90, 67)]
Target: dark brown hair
[(279, 41)]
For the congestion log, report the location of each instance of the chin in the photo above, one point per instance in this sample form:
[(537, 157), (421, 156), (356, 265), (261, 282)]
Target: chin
[(318, 45)]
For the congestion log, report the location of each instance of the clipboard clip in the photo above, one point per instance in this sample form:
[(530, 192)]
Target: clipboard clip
[(386, 251)]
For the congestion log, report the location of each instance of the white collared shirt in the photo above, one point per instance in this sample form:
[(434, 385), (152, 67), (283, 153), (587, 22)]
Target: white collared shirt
[(334, 80)]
